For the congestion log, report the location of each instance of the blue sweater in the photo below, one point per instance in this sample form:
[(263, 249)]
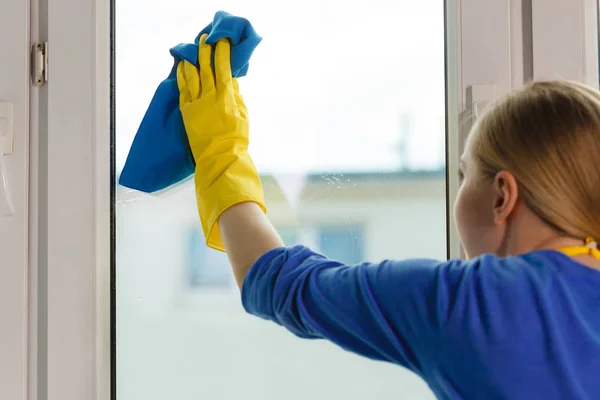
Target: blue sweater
[(524, 327)]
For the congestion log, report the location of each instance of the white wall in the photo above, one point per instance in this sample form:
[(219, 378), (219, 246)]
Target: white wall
[(14, 88)]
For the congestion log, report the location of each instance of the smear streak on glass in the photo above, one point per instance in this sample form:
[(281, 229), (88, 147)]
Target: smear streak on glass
[(346, 103)]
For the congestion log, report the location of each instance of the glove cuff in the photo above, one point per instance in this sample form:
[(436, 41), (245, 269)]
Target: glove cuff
[(222, 182)]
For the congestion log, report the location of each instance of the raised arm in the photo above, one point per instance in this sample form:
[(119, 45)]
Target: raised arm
[(247, 234), (391, 311), (228, 189)]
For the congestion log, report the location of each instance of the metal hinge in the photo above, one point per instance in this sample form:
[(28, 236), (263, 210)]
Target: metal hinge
[(40, 63)]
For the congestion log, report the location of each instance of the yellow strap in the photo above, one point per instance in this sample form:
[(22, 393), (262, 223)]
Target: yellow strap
[(590, 249)]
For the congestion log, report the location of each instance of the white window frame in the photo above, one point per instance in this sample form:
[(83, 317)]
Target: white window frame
[(70, 200), (65, 274)]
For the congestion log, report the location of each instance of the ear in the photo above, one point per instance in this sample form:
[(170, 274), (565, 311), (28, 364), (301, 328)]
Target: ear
[(506, 196)]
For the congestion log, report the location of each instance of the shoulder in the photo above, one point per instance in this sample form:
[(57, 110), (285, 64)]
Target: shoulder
[(506, 289)]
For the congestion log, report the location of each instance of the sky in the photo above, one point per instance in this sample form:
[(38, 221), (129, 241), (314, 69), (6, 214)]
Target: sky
[(327, 89)]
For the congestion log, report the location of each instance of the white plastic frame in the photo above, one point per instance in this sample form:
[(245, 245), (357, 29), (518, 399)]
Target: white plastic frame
[(70, 235), (565, 53), (489, 42)]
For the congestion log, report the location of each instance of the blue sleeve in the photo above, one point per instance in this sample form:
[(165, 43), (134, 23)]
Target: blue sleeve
[(391, 311)]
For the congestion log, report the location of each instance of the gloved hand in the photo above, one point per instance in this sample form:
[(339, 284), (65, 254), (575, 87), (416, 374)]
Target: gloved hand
[(216, 122)]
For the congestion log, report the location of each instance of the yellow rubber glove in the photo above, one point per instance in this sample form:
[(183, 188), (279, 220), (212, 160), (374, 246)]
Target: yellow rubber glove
[(216, 122)]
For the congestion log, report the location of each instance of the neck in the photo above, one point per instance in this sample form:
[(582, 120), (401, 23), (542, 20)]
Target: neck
[(533, 236), (557, 242)]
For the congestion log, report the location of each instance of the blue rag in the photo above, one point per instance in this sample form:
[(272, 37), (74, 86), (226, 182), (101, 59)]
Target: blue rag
[(160, 155)]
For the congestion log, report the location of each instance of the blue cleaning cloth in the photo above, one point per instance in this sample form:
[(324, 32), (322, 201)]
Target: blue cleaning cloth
[(160, 155)]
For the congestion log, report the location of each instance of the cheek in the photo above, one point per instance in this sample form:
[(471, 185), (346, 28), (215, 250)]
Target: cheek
[(472, 217), (461, 216)]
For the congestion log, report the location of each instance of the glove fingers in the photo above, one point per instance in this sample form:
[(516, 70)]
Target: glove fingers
[(184, 94), (239, 100), (223, 65), (192, 79), (207, 78)]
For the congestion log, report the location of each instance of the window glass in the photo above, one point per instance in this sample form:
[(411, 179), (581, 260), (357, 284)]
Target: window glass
[(205, 266), (342, 243), (347, 110), (288, 235)]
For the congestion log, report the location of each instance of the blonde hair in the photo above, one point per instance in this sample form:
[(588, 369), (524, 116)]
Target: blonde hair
[(548, 136)]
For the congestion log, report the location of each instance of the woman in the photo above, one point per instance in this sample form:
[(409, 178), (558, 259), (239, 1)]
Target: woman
[(520, 319)]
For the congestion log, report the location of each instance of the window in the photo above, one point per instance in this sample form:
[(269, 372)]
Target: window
[(344, 244), (349, 137), (205, 266), (288, 235), (315, 175)]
